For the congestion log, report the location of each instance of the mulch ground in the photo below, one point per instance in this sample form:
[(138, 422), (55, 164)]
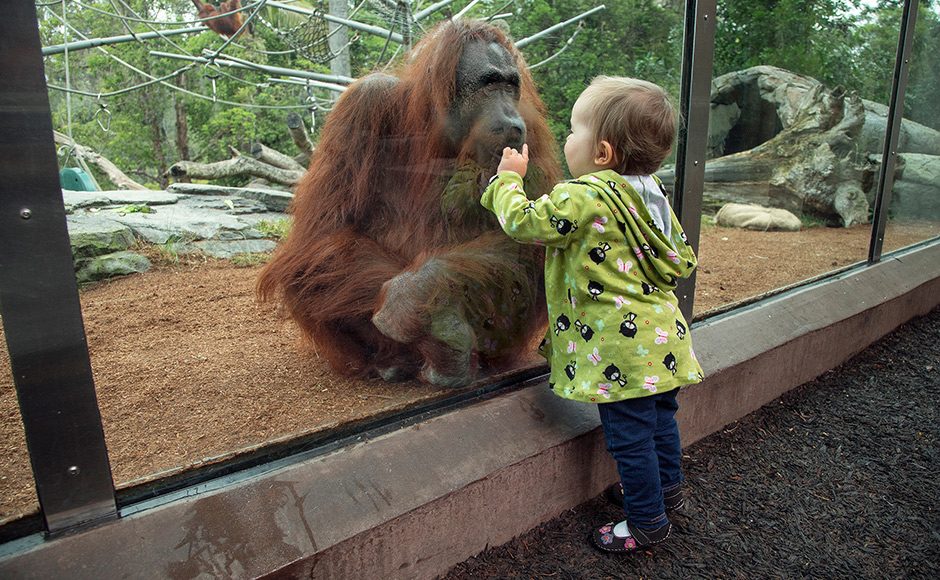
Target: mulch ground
[(838, 479)]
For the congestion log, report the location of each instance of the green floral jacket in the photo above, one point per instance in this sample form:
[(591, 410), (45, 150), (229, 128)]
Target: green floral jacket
[(615, 330)]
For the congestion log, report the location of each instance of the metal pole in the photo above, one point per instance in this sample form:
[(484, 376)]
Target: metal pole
[(889, 154), (694, 106), (232, 62), (93, 42), (526, 41), (431, 9), (367, 28)]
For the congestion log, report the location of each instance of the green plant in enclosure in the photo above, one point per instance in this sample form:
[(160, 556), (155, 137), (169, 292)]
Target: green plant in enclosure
[(275, 229)]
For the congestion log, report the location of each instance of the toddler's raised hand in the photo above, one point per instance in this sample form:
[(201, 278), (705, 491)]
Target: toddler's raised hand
[(514, 161)]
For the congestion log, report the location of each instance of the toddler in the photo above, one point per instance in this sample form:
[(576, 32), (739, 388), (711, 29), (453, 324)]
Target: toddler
[(614, 250)]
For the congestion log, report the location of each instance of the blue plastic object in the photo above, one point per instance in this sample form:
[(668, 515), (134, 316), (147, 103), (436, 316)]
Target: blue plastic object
[(75, 179)]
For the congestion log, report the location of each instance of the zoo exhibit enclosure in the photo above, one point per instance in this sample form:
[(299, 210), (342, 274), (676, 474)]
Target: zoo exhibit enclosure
[(742, 89)]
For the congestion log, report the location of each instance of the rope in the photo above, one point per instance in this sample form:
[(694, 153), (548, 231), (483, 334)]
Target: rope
[(310, 39)]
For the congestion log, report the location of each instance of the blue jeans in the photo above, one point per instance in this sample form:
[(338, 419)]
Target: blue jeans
[(643, 437)]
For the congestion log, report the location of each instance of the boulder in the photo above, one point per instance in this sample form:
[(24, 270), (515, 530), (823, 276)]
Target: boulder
[(97, 268), (779, 139), (96, 236)]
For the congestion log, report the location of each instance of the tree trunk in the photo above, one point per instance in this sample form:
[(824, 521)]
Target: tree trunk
[(275, 158), (298, 132), (339, 41), (182, 126), (159, 139)]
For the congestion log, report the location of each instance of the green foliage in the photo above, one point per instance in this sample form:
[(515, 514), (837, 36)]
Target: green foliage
[(133, 208), (808, 37), (879, 34), (275, 229), (839, 42), (639, 38)]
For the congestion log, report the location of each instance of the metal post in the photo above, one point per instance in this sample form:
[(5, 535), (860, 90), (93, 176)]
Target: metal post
[(39, 302), (889, 154), (552, 29), (694, 106), (94, 42)]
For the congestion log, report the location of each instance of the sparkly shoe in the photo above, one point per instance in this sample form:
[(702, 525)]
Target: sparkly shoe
[(622, 537)]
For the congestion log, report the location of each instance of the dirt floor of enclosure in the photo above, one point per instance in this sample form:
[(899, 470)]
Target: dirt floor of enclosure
[(189, 369)]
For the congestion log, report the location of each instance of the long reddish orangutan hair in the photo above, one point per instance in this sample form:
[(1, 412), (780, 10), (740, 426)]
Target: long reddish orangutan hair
[(370, 205)]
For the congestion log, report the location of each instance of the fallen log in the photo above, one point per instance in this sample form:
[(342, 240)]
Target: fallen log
[(779, 139), (236, 166), (274, 157)]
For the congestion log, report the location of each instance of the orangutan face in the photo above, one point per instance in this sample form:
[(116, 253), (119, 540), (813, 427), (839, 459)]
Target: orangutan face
[(484, 117)]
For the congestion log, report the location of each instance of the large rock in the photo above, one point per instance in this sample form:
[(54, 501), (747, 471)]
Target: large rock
[(96, 236), (219, 222), (273, 199), (178, 222), (85, 199), (97, 268), (229, 249), (916, 193), (779, 139)]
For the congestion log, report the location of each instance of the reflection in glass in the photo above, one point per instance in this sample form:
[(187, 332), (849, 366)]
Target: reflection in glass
[(191, 371), (914, 212)]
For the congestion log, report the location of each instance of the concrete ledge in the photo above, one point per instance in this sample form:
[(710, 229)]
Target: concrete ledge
[(412, 503)]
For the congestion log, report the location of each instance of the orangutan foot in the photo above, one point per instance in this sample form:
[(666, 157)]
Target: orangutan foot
[(432, 377), (449, 327)]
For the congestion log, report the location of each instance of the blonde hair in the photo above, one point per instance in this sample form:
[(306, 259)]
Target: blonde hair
[(636, 117)]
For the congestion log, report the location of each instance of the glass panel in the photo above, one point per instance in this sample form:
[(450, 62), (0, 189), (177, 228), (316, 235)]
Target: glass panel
[(190, 369), (914, 214), (789, 141), (17, 488)]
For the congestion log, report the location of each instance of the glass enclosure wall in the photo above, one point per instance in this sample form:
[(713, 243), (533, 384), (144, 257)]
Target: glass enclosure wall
[(796, 134), (193, 371), (17, 492)]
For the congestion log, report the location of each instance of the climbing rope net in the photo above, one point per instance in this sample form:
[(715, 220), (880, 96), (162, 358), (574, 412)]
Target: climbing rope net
[(310, 39)]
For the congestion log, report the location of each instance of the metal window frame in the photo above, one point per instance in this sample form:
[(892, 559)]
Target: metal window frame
[(889, 154), (698, 47)]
